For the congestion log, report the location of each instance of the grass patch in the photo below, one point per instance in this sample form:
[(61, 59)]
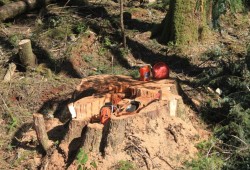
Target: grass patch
[(59, 33), (125, 165)]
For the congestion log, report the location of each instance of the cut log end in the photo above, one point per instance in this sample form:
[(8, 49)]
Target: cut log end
[(24, 42)]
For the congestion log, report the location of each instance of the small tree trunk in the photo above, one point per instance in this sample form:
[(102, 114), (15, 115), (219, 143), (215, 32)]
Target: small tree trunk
[(210, 14), (122, 24), (26, 55), (41, 131), (93, 137)]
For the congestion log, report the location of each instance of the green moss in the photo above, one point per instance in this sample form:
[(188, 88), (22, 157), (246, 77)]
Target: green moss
[(185, 24), (59, 33), (181, 25)]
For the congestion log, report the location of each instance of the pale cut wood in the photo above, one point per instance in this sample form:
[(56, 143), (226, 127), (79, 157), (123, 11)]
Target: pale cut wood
[(10, 72), (93, 137), (41, 132), (26, 54)]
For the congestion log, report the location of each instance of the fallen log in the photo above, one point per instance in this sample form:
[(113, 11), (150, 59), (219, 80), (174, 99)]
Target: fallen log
[(16, 8)]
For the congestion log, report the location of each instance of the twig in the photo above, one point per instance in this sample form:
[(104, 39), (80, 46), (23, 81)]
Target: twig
[(210, 149), (219, 149), (135, 137), (4, 102), (143, 155), (66, 3), (161, 158), (230, 145), (112, 64), (172, 133), (4, 32), (240, 139)]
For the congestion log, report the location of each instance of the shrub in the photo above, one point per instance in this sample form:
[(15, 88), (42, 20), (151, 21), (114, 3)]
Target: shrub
[(229, 113)]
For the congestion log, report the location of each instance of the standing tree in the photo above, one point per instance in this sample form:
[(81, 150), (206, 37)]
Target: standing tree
[(182, 23), (122, 24), (187, 20)]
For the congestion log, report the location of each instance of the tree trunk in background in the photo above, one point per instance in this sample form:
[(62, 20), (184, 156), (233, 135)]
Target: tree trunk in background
[(122, 24), (183, 23), (16, 8)]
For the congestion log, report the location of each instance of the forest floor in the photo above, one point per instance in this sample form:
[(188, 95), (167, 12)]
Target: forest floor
[(76, 42)]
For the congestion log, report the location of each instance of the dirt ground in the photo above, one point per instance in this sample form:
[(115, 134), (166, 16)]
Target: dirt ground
[(67, 57)]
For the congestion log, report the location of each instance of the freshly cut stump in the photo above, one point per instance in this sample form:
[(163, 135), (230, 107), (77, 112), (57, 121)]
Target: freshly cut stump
[(141, 136), (26, 54), (93, 137)]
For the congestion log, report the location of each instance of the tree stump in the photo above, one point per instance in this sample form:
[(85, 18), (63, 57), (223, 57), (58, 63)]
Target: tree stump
[(116, 134), (93, 137), (26, 55), (72, 139), (139, 134), (41, 131)]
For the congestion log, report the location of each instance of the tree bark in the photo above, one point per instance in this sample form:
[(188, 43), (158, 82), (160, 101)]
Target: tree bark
[(116, 134), (75, 129), (93, 137), (122, 25), (41, 131), (181, 25), (72, 139), (26, 55), (16, 8)]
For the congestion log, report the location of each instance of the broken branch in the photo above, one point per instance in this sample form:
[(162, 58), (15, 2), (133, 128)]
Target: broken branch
[(41, 131)]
